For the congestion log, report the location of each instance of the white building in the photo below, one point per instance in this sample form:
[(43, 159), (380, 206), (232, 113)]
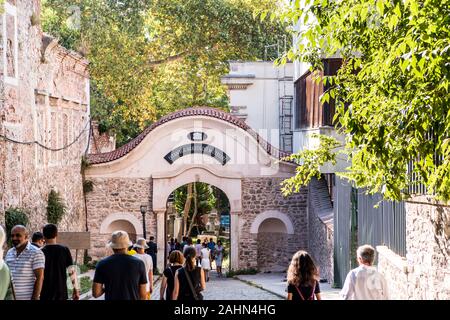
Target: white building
[(262, 94)]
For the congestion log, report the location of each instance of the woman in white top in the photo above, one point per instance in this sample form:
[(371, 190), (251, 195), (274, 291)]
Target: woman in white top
[(140, 246), (206, 263)]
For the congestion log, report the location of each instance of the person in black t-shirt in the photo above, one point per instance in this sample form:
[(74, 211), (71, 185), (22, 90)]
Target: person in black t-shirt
[(303, 278), (168, 280), (37, 239), (58, 261), (190, 279), (152, 250), (120, 276)]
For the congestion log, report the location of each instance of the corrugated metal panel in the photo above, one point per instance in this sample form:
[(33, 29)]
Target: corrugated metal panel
[(385, 225), (342, 225), (382, 225)]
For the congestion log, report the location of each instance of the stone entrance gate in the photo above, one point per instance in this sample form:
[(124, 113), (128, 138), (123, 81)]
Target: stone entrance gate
[(199, 145)]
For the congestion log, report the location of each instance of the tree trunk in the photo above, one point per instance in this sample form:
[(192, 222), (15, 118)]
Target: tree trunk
[(187, 207), (195, 211)]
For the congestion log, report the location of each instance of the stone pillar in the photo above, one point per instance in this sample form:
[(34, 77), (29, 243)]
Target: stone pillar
[(234, 237), (178, 227), (161, 238), (171, 225)]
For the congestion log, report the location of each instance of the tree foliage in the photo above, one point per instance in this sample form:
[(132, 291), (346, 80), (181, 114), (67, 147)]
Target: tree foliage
[(149, 58), (392, 93), (14, 217), (55, 207)]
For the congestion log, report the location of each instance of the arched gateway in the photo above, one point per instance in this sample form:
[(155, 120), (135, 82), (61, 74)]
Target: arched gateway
[(204, 145)]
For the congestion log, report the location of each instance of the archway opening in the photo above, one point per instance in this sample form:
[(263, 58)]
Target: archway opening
[(199, 211), (272, 239), (124, 225)]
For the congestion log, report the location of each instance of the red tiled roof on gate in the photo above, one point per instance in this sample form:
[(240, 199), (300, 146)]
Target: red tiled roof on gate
[(195, 111)]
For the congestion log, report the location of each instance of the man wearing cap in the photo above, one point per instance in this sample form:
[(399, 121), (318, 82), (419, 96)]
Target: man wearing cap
[(140, 247), (120, 276)]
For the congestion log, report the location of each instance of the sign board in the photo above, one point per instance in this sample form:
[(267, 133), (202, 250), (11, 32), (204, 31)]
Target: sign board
[(75, 240), (224, 220)]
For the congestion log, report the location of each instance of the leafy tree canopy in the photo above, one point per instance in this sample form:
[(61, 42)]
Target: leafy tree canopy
[(392, 93), (149, 58)]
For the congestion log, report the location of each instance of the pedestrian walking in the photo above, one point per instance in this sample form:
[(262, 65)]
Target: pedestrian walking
[(140, 248), (58, 264), (219, 251), (178, 246), (198, 249), (176, 260), (303, 278), (26, 263), (365, 282), (6, 287), (189, 280), (188, 243), (37, 239), (206, 261), (152, 250), (211, 247), (120, 276)]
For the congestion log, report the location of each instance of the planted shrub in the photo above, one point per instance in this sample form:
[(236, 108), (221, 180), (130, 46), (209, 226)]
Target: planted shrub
[(13, 217), (55, 207)]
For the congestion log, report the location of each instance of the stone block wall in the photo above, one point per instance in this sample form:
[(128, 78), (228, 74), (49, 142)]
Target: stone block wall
[(260, 195), (426, 267), (275, 251), (116, 196), (45, 98), (321, 246)]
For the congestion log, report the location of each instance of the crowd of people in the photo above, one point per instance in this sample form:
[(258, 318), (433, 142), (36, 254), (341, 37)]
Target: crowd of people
[(38, 268)]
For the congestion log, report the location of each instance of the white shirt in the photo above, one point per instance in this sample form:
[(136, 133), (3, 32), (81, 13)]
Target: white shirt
[(198, 249), (148, 261), (22, 269), (364, 283), (205, 253)]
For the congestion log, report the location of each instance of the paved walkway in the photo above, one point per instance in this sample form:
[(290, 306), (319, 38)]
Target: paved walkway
[(228, 289), (275, 283), (261, 286)]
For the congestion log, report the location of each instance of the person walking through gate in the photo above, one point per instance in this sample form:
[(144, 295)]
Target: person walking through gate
[(365, 282), (58, 262), (219, 257), (189, 280), (26, 263), (176, 260), (206, 261), (140, 247), (303, 278), (198, 249), (120, 276)]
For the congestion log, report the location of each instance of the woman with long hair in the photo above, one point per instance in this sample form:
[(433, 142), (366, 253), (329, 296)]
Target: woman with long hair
[(190, 279), (176, 260), (303, 278)]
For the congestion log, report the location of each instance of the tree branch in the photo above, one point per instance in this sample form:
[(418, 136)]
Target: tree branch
[(168, 59)]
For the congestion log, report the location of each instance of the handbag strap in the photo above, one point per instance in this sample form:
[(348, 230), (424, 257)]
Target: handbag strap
[(188, 278), (312, 295)]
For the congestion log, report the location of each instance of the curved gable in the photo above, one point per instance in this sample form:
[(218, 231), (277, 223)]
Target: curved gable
[(190, 112)]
